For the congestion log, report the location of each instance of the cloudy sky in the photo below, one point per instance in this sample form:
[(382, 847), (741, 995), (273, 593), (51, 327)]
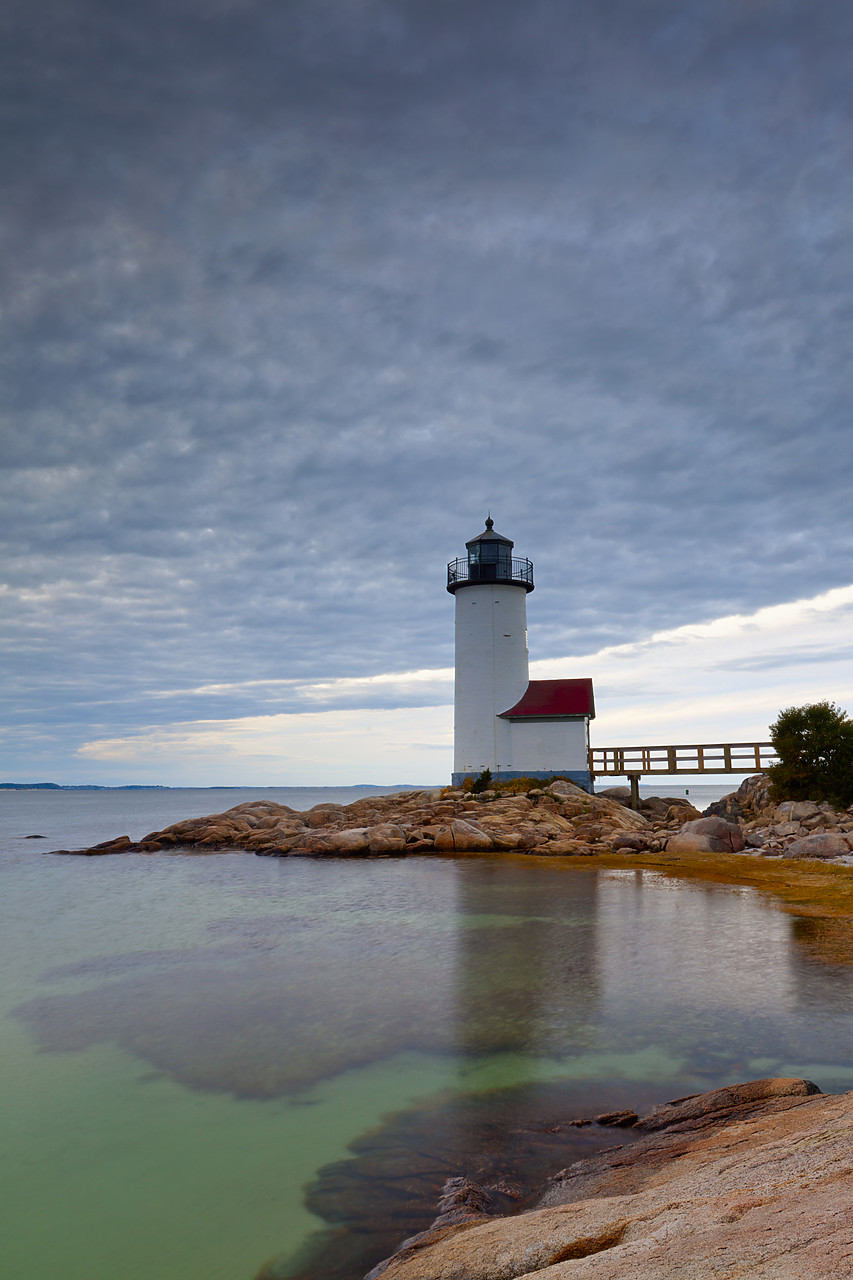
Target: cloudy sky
[(297, 290)]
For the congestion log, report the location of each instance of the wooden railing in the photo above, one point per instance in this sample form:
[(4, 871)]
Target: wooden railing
[(718, 757)]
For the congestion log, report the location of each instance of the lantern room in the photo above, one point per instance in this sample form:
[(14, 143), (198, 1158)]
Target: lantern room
[(489, 559)]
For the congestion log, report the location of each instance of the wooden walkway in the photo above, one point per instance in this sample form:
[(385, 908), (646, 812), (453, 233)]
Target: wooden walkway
[(717, 757)]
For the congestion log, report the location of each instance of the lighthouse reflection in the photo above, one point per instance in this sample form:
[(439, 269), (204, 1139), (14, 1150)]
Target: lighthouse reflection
[(526, 994), (564, 993), (526, 964)]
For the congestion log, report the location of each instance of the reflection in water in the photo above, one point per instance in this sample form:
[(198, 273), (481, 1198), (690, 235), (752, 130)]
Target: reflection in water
[(691, 981), (703, 969), (485, 967), (508, 1141), (818, 983), (629, 986), (276, 1002), (533, 984), (524, 994), (541, 991), (526, 984)]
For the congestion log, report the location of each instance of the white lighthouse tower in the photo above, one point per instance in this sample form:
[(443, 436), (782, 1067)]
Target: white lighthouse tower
[(491, 650), (504, 722)]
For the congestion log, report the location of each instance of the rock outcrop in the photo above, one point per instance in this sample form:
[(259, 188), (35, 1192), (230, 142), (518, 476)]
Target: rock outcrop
[(789, 829), (558, 820), (819, 845), (753, 1180), (707, 835)]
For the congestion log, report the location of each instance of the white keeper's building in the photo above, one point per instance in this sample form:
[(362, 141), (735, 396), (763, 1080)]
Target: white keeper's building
[(503, 720)]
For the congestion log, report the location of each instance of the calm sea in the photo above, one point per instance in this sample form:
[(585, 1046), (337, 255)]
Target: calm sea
[(220, 1066)]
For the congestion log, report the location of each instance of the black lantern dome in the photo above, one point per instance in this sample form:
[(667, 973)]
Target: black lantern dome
[(489, 559)]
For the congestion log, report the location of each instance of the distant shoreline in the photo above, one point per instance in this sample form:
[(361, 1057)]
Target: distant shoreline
[(242, 786), (82, 786)]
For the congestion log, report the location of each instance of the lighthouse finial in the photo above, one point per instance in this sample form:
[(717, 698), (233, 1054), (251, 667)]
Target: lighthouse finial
[(490, 524)]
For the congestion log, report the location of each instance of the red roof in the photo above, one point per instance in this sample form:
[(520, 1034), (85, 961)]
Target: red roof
[(550, 698)]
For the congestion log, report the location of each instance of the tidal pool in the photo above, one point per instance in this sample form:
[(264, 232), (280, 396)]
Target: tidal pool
[(224, 1066)]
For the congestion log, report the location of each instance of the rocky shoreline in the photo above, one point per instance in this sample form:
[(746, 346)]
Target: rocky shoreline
[(754, 1180), (558, 820), (751, 1180)]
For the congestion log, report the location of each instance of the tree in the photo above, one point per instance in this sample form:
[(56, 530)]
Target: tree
[(815, 748)]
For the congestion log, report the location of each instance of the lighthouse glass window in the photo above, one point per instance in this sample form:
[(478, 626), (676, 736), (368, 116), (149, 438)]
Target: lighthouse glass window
[(497, 554)]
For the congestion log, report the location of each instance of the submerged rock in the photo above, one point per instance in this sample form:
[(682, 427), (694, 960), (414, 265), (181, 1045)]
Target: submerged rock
[(751, 1180)]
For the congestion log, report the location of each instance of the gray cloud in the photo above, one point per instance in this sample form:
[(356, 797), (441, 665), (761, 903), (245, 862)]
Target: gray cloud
[(297, 292), (797, 657)]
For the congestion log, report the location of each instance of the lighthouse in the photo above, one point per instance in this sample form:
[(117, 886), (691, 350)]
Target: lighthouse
[(503, 721)]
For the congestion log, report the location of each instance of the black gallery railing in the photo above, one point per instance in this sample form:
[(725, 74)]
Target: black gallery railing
[(464, 570)]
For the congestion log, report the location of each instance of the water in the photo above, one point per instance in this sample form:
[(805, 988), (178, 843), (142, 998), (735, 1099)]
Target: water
[(78, 819), (700, 794), (206, 1059)]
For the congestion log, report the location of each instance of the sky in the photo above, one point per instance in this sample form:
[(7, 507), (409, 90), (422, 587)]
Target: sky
[(297, 291)]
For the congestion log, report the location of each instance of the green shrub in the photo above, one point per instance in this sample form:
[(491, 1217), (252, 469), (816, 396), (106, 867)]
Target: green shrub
[(510, 787), (815, 748)]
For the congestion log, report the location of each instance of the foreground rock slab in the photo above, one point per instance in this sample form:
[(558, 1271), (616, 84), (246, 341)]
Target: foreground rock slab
[(751, 1181)]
